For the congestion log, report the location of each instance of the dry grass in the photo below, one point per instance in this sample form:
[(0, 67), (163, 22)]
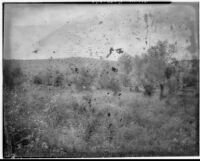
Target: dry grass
[(96, 123)]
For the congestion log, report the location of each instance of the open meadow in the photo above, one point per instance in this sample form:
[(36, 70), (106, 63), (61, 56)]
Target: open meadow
[(64, 121)]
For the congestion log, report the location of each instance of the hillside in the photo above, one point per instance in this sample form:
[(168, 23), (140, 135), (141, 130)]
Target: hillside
[(34, 66), (31, 67)]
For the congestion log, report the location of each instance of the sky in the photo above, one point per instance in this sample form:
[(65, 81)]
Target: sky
[(41, 31)]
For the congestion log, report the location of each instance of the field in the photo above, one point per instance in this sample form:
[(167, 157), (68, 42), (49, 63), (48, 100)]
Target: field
[(100, 80), (57, 121)]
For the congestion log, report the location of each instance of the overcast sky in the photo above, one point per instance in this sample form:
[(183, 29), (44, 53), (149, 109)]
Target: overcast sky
[(41, 31)]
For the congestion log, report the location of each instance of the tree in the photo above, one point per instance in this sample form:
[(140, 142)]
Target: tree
[(157, 64), (126, 63), (125, 79), (84, 78), (125, 72), (137, 73), (109, 79)]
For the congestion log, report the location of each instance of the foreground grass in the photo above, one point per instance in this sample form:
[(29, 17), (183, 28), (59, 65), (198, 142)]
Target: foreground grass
[(54, 122)]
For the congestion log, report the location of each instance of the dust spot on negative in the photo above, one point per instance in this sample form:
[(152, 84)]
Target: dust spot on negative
[(114, 69), (35, 51), (76, 70), (171, 27), (138, 38)]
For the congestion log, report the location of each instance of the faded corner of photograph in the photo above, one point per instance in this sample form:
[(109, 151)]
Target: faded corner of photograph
[(100, 80)]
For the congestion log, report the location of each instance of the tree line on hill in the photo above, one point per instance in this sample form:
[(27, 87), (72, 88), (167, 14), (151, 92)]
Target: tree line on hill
[(156, 69)]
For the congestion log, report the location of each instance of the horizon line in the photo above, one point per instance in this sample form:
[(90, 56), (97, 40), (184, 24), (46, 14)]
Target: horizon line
[(51, 58)]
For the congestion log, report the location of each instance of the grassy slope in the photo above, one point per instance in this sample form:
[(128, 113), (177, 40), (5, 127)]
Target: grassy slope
[(31, 67), (65, 124)]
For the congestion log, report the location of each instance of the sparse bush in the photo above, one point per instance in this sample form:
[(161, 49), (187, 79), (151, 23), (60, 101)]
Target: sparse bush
[(49, 78)]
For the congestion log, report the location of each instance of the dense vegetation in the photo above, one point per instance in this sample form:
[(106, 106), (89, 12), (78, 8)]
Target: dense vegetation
[(139, 106)]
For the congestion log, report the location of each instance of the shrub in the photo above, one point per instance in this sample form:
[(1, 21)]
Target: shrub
[(49, 78), (59, 79), (114, 85), (172, 85), (149, 89), (126, 63), (12, 74), (108, 80), (125, 79), (190, 80), (37, 79), (84, 79)]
